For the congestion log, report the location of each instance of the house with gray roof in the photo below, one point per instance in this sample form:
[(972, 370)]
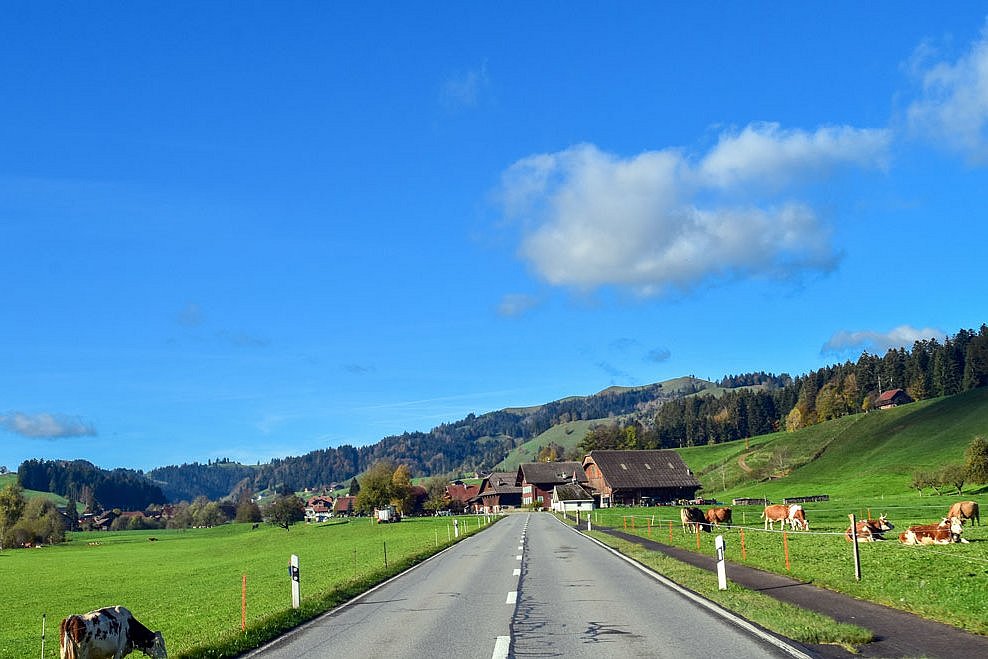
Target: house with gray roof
[(635, 477)]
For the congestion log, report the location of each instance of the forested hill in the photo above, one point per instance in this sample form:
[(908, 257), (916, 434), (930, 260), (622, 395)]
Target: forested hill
[(676, 413), (475, 443)]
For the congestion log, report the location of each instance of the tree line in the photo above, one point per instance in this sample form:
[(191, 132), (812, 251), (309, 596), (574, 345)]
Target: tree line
[(768, 403)]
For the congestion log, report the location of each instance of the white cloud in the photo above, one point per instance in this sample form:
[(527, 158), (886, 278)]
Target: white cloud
[(879, 343), (769, 156), (45, 425), (953, 107), (660, 220)]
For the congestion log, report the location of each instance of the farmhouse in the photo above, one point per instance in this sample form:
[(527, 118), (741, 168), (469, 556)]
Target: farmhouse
[(631, 477), (571, 497), (318, 509), (498, 492), (892, 398), (461, 496), (345, 506), (537, 479)]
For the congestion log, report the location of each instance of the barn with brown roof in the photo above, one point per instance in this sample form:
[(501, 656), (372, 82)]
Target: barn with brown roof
[(498, 492), (537, 479), (629, 477), (892, 398)]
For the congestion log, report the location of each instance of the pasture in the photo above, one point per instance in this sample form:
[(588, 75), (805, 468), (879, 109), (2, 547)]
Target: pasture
[(946, 583), (188, 584)]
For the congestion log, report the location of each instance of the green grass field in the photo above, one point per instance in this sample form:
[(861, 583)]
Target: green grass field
[(188, 583), (945, 583)]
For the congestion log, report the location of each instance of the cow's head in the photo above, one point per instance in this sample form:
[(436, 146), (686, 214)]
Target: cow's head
[(952, 523), (158, 647)]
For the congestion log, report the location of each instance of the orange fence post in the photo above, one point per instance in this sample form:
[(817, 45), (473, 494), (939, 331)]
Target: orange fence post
[(243, 604), (624, 522), (744, 553), (650, 528), (697, 536), (785, 548), (670, 530)]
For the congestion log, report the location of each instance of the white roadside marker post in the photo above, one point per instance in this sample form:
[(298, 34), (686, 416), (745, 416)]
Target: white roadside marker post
[(294, 574), (721, 563)]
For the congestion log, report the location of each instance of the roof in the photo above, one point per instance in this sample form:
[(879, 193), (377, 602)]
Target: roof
[(500, 482), (890, 395), (345, 504), (571, 492), (634, 469), (462, 492), (549, 473)]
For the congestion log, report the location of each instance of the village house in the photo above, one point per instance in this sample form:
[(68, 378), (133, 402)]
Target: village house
[(892, 398), (635, 478), (498, 492), (318, 509), (571, 497), (461, 496), (345, 506), (537, 479)]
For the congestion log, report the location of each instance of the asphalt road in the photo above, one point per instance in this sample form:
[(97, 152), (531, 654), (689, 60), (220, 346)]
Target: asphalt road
[(527, 587)]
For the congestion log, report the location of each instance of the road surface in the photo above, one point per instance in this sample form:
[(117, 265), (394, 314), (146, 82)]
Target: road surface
[(527, 587)]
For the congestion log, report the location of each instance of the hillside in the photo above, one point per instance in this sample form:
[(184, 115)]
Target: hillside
[(871, 454), (475, 443)]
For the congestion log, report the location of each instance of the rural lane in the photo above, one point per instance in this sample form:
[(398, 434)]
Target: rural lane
[(527, 587)]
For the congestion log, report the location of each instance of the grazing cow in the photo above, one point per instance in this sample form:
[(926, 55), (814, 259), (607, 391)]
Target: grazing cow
[(944, 533), (775, 513), (871, 530), (111, 632), (693, 520), (718, 516), (797, 518), (966, 510)]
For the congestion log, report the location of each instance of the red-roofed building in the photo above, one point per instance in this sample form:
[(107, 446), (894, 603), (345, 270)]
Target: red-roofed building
[(460, 494), (892, 398), (318, 509), (345, 506)]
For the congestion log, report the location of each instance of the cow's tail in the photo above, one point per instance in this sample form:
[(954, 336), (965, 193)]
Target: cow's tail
[(68, 647)]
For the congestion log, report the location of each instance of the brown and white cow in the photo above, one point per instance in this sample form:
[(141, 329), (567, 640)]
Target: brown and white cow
[(791, 514), (718, 516), (775, 513), (944, 533), (111, 632), (797, 518), (693, 520), (871, 530), (966, 510)]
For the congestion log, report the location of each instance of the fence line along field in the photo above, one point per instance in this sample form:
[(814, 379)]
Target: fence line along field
[(188, 583), (942, 582)]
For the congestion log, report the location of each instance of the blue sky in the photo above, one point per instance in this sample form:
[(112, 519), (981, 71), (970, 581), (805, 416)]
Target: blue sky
[(251, 230)]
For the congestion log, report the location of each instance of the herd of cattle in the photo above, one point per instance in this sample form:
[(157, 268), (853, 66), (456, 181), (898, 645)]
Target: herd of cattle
[(947, 531)]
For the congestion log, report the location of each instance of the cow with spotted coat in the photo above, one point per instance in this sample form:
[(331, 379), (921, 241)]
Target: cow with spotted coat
[(108, 633)]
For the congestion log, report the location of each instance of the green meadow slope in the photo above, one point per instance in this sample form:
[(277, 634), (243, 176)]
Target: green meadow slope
[(863, 455)]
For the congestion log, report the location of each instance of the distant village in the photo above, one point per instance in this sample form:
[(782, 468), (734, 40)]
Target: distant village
[(604, 478)]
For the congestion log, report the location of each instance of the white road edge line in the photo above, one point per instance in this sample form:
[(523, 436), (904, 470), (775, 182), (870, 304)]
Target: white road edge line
[(516, 572), (707, 604), (501, 647), (512, 597)]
